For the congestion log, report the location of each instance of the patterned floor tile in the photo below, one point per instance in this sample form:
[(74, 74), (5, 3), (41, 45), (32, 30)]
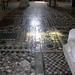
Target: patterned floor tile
[(17, 62), (31, 31), (55, 64)]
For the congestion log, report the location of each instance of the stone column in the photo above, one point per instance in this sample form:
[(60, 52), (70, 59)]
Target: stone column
[(52, 3), (24, 3)]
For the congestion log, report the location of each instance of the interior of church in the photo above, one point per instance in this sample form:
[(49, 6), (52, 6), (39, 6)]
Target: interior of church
[(35, 37)]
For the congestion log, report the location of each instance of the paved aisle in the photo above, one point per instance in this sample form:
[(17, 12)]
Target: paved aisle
[(31, 41)]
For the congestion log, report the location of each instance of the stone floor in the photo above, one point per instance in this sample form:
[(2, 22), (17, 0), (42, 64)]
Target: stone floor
[(31, 41)]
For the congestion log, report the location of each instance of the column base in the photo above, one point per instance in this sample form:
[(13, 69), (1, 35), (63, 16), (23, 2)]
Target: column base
[(24, 3), (52, 3)]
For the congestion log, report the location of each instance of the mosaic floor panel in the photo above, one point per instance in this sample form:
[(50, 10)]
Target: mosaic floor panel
[(17, 63), (36, 29), (55, 64)]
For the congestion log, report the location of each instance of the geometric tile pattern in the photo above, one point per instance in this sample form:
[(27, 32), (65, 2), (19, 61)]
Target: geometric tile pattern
[(11, 47), (16, 55), (55, 64), (52, 44), (8, 36), (6, 22), (17, 62)]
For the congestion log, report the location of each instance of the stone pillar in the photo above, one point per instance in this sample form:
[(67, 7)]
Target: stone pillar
[(24, 3), (52, 3), (73, 3)]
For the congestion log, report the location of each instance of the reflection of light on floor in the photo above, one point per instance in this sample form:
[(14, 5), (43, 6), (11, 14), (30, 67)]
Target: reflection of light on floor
[(35, 22), (52, 34), (40, 36), (40, 2), (36, 35), (56, 33)]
